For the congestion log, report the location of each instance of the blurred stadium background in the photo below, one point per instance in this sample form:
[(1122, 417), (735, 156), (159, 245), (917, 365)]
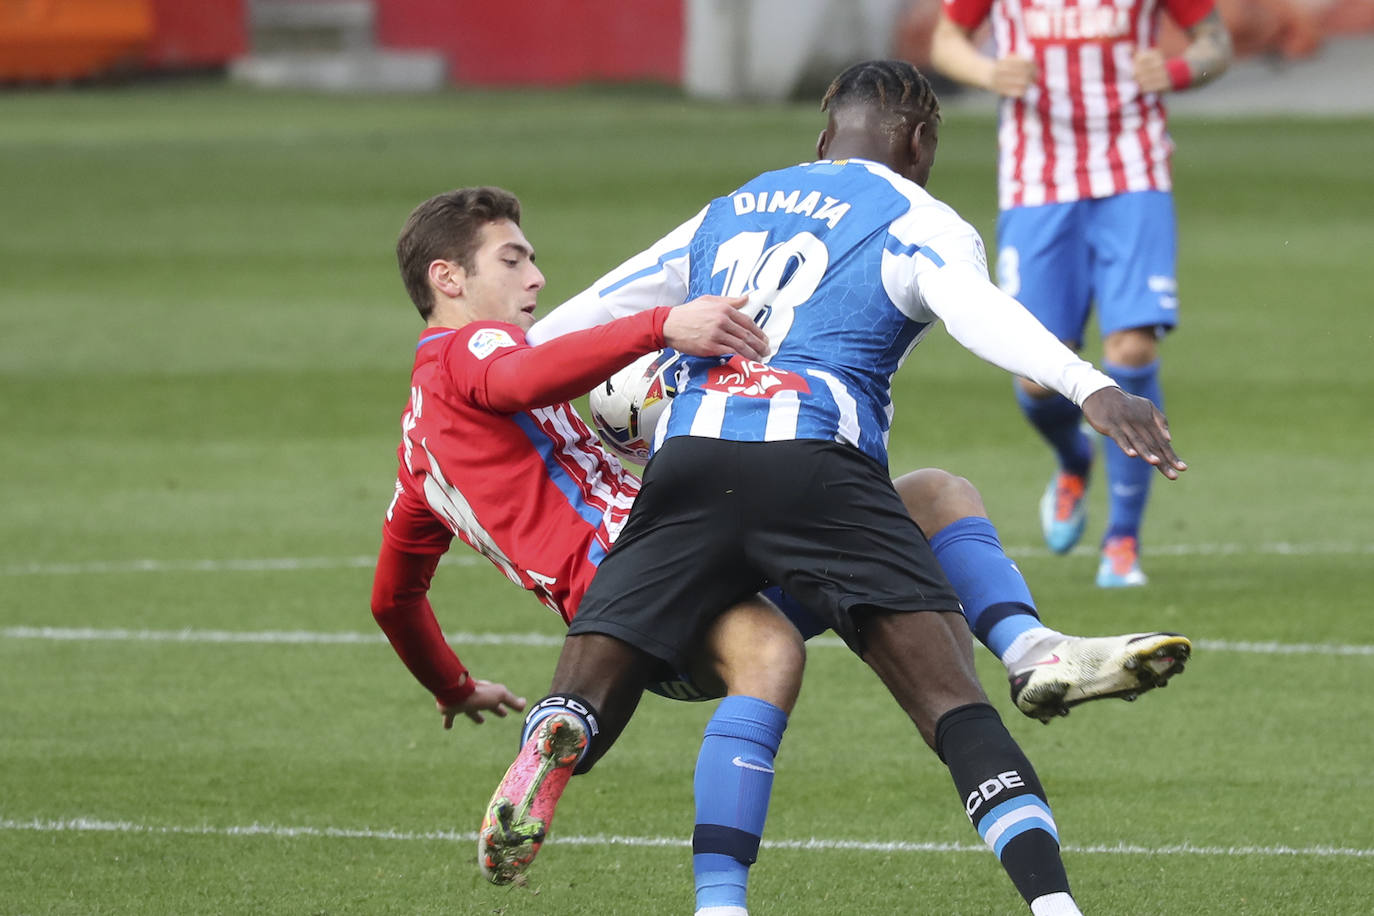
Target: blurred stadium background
[(713, 48), (204, 351)]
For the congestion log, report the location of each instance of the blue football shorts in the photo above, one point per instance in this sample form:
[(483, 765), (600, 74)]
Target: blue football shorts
[(1116, 253)]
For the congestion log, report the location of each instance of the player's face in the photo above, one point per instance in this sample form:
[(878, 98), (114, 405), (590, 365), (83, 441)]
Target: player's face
[(504, 284)]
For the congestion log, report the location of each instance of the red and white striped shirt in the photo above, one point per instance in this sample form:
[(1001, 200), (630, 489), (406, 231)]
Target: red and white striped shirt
[(529, 489), (1083, 129), (492, 452)]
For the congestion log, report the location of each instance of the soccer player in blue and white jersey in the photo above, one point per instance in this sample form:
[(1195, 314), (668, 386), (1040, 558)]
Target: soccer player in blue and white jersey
[(775, 471)]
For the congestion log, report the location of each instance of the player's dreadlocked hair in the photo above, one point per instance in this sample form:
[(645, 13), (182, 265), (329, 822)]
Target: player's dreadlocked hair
[(448, 226), (891, 85)]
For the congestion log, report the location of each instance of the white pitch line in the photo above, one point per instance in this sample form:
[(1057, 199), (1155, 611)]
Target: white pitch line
[(295, 564), (309, 637), (1277, 648), (95, 825), (259, 564), (264, 637)]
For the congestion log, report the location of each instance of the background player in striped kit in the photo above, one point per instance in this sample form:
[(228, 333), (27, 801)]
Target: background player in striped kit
[(1086, 212), (775, 470)]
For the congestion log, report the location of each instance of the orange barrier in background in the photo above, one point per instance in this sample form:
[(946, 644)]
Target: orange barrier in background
[(47, 40), (69, 39)]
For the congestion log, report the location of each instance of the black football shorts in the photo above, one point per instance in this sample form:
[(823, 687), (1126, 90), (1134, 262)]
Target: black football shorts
[(718, 520)]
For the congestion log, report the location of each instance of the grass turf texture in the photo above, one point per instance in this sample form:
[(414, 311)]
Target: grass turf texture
[(204, 350)]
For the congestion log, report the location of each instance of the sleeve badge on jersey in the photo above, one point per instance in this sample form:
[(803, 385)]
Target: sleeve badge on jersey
[(982, 252), (488, 340)]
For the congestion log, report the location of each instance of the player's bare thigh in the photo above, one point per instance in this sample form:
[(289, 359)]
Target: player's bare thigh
[(751, 650)]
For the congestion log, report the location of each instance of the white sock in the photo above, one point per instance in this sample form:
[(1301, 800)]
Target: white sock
[(1025, 642), (722, 911), (1060, 904)]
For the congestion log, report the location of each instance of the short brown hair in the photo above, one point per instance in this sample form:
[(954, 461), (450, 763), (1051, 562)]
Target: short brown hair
[(447, 227)]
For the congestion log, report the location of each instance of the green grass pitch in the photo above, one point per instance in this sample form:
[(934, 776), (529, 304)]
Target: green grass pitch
[(204, 350)]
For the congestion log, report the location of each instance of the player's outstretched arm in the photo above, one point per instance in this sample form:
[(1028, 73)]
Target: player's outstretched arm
[(400, 606), (999, 329), (1136, 425), (487, 696), (520, 378)]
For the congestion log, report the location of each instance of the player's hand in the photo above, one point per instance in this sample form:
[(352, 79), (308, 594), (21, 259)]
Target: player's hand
[(1149, 71), (1136, 425), (488, 697), (1012, 76), (715, 326)]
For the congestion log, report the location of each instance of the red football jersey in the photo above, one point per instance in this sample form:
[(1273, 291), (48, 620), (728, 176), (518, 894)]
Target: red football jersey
[(492, 452), (1084, 129), (532, 491)]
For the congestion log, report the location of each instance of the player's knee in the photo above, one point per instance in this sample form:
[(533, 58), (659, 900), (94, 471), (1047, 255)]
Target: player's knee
[(777, 670), (782, 649), (761, 655), (1134, 347), (936, 498)]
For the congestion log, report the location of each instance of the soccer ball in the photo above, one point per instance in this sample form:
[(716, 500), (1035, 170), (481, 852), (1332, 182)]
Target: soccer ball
[(626, 407)]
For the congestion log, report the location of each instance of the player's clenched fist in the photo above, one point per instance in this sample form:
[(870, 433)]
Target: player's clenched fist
[(1012, 76), (1149, 70)]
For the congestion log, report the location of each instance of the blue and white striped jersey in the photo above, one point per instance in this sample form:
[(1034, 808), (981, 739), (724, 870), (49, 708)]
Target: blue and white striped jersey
[(847, 265), (830, 254)]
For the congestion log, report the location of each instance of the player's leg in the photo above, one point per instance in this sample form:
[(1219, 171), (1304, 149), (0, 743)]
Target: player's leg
[(925, 659), (1043, 262), (1131, 358), (996, 600), (647, 609), (1134, 254), (1049, 672), (840, 540), (756, 656), (595, 690)]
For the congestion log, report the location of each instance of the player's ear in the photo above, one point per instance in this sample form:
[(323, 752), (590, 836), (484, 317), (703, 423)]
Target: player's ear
[(822, 142), (915, 149), (448, 277)]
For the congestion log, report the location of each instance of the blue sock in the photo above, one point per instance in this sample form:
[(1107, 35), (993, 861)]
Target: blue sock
[(733, 783), (997, 602), (1057, 419), (1128, 478)]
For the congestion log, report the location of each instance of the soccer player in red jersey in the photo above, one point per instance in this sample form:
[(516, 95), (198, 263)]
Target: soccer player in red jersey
[(492, 452), (1086, 210)]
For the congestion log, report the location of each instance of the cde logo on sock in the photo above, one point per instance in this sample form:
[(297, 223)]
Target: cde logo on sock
[(990, 789), (572, 704)]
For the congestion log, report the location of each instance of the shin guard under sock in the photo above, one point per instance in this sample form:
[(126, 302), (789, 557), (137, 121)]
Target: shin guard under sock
[(1003, 798), (733, 784)]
